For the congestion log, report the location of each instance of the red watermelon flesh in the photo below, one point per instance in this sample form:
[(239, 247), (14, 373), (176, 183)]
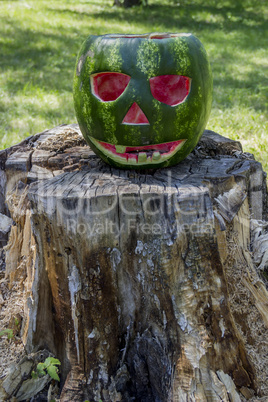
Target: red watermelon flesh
[(133, 152), (170, 89), (109, 86), (135, 116)]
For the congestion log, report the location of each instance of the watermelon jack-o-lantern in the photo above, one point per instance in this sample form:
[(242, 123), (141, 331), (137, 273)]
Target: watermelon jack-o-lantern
[(142, 101)]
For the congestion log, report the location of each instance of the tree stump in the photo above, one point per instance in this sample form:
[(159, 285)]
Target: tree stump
[(148, 286)]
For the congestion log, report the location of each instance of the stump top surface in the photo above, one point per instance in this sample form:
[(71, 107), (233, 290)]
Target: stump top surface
[(59, 163), (61, 156)]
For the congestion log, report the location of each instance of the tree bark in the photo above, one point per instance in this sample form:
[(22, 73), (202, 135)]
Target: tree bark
[(148, 286), (131, 3), (128, 3)]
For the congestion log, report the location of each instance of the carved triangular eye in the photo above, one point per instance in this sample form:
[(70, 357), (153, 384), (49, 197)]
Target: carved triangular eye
[(170, 89), (108, 86)]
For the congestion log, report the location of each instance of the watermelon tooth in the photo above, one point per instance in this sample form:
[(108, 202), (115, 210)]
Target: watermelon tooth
[(120, 149), (131, 158), (156, 156), (142, 157)]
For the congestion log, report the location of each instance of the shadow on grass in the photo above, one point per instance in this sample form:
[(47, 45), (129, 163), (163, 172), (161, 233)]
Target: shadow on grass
[(235, 18)]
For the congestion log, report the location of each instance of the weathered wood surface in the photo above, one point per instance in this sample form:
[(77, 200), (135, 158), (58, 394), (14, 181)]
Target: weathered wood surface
[(147, 286)]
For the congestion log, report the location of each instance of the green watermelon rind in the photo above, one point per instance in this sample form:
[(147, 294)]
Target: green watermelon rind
[(102, 120)]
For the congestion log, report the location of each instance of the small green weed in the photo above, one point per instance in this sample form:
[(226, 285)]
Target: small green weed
[(48, 367), (7, 332)]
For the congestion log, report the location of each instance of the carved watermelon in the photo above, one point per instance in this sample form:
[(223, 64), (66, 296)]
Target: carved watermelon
[(142, 101)]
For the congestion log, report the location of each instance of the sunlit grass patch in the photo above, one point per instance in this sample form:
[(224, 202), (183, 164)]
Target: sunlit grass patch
[(33, 110), (246, 125)]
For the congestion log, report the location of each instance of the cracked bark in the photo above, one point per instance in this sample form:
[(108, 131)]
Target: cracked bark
[(142, 284)]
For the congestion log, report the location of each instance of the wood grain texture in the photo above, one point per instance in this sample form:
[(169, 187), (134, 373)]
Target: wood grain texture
[(142, 284)]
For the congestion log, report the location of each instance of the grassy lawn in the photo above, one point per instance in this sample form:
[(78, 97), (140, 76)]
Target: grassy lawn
[(39, 41)]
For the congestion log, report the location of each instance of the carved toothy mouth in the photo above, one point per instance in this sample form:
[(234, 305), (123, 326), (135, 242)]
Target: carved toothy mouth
[(140, 155)]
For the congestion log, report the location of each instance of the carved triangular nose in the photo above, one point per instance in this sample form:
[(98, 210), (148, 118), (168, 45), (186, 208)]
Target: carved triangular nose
[(135, 116)]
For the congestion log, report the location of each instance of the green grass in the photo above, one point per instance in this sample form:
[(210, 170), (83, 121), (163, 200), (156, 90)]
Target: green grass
[(39, 41)]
